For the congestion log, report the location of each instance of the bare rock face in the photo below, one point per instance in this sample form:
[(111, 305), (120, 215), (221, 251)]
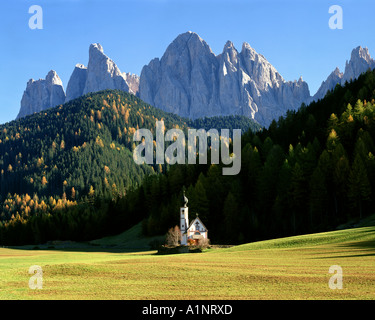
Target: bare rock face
[(133, 82), (360, 61), (333, 79), (102, 72), (182, 81), (42, 94), (76, 83), (191, 81)]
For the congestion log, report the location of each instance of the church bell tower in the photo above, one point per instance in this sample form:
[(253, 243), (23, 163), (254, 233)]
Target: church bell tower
[(184, 221)]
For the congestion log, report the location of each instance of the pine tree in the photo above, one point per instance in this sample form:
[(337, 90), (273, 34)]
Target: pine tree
[(359, 189), (318, 200), (281, 207), (298, 196), (333, 140), (254, 169), (231, 221), (199, 202), (340, 177)]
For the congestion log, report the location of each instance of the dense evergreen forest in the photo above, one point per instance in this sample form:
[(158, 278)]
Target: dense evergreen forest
[(65, 172), (308, 172)]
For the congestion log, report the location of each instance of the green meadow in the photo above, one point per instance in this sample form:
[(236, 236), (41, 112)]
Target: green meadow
[(287, 268)]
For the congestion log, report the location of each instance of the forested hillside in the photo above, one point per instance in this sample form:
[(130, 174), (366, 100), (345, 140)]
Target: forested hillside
[(310, 171), (62, 170)]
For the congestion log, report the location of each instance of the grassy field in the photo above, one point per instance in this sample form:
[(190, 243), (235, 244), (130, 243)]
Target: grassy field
[(288, 268)]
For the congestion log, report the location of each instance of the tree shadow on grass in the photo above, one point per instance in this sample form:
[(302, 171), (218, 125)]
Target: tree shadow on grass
[(366, 249), (86, 248), (347, 256)]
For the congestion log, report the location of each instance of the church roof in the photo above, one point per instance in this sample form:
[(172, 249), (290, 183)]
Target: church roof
[(197, 218)]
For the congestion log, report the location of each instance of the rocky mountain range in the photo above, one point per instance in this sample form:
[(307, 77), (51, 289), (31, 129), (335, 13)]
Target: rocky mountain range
[(101, 73), (191, 81)]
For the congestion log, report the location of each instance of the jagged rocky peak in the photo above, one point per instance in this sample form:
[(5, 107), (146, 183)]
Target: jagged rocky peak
[(96, 47), (187, 47), (230, 51), (181, 81), (228, 59), (102, 72), (333, 79), (248, 52), (337, 73), (190, 38), (360, 61), (42, 94), (192, 81), (53, 78), (259, 69), (361, 53)]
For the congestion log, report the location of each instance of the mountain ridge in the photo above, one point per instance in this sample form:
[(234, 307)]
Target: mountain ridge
[(191, 81), (101, 73), (204, 84)]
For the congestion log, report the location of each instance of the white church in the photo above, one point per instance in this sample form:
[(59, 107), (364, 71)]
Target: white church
[(194, 231)]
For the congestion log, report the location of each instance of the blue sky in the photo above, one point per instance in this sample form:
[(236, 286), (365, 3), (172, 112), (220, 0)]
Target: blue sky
[(293, 35)]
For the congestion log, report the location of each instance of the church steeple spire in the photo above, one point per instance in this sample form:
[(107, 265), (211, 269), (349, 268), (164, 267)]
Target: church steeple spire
[(185, 199)]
